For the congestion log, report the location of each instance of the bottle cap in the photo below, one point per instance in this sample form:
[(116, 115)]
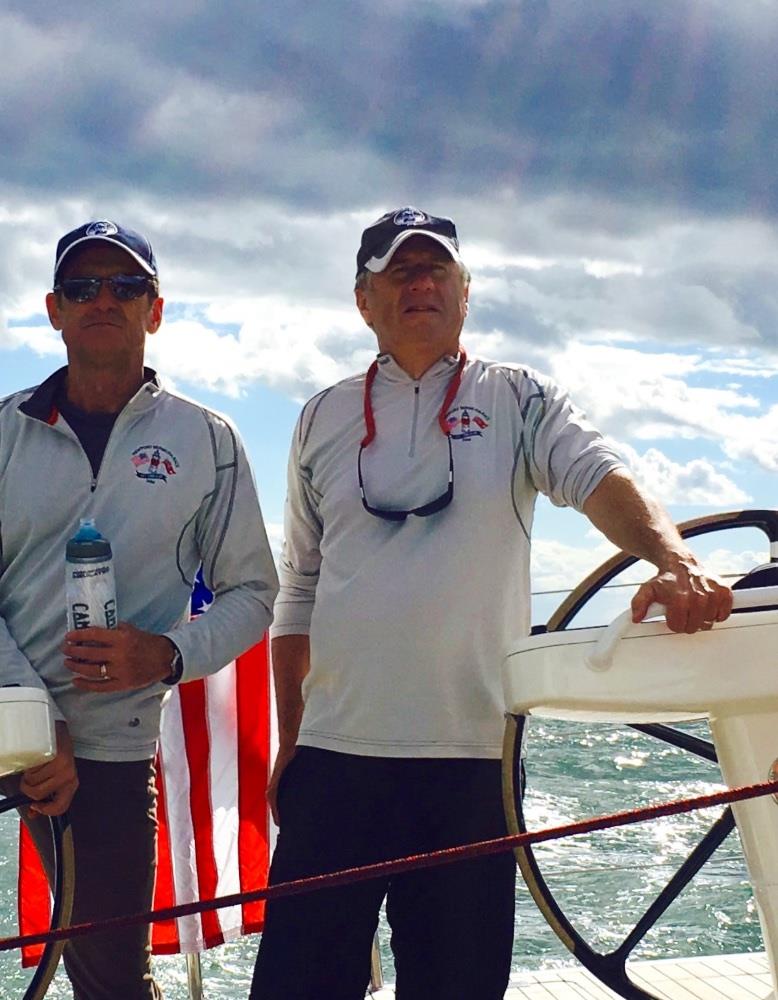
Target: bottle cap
[(87, 543)]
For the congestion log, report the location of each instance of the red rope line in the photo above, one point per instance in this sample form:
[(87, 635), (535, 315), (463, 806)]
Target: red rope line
[(411, 863)]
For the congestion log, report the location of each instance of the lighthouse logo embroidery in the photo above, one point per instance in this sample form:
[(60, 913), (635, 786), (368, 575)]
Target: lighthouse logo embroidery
[(154, 464), (466, 422)]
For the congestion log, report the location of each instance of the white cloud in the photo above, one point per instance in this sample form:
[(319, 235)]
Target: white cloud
[(482, 256), (43, 340), (275, 535), (747, 366), (649, 396), (610, 268), (696, 482), (292, 347), (253, 157), (754, 439), (727, 562), (558, 565), (202, 118)]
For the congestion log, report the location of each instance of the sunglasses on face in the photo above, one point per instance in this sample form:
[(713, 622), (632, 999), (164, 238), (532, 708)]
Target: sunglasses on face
[(124, 287)]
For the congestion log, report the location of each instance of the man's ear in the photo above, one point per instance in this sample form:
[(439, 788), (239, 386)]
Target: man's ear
[(155, 316), (362, 305), (52, 308)]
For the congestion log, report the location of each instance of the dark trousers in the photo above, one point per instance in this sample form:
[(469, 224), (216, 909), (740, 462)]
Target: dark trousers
[(113, 819), (452, 927)]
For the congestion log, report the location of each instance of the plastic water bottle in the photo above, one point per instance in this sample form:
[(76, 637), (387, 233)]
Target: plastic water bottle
[(90, 589)]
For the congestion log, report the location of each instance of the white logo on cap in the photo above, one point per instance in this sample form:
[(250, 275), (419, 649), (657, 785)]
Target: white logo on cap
[(410, 217), (102, 228)]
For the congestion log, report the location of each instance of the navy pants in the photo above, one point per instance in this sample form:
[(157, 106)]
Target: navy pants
[(452, 927)]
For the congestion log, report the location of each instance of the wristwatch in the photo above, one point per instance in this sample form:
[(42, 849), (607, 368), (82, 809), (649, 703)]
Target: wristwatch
[(176, 666)]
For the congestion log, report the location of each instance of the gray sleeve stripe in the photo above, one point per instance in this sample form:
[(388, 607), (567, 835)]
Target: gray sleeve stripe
[(205, 414), (189, 583), (230, 506), (520, 453), (517, 458), (206, 417), (208, 498), (309, 494), (313, 405)]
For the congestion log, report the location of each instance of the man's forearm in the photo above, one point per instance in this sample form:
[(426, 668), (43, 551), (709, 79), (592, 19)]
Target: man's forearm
[(237, 619), (291, 662), (692, 598), (635, 522)]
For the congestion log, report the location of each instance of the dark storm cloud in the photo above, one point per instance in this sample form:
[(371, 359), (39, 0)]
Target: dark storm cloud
[(750, 294), (539, 311), (326, 104), (252, 142)]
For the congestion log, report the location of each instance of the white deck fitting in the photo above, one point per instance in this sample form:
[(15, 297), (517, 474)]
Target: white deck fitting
[(645, 673), (723, 977), (26, 729)]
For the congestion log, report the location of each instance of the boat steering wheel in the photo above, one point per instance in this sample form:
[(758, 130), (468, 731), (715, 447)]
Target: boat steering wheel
[(610, 967), (62, 838)]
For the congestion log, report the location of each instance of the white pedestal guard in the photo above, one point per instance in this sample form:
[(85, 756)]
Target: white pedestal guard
[(27, 733), (27, 738), (645, 673)]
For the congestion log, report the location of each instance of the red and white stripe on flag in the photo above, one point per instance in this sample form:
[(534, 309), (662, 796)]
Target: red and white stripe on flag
[(212, 772), (214, 750)]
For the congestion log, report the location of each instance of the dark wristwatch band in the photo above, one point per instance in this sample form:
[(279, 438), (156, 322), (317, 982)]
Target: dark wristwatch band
[(176, 666)]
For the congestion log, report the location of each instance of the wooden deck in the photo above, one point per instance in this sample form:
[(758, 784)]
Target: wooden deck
[(725, 977)]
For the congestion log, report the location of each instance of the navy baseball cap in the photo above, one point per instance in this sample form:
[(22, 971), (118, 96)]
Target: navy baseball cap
[(137, 246), (380, 240)]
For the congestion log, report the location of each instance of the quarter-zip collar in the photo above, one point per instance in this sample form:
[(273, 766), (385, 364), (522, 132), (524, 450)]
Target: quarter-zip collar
[(41, 405), (390, 370)]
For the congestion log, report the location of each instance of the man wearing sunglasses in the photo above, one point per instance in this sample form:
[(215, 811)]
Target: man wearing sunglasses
[(168, 484), (404, 581)]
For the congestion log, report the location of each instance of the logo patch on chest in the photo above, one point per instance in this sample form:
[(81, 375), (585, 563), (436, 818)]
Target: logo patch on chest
[(154, 464), (466, 422)]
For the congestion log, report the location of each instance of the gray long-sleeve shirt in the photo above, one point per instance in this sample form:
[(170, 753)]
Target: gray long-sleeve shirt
[(409, 623), (174, 491)]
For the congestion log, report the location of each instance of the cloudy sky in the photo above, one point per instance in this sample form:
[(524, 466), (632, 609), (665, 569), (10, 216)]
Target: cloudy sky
[(610, 165)]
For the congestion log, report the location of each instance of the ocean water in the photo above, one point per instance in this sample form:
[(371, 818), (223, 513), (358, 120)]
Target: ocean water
[(603, 881)]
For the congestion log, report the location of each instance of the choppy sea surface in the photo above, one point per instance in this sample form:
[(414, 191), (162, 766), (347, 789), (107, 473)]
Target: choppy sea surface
[(603, 881)]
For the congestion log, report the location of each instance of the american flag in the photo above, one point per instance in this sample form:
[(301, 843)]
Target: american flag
[(212, 771)]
